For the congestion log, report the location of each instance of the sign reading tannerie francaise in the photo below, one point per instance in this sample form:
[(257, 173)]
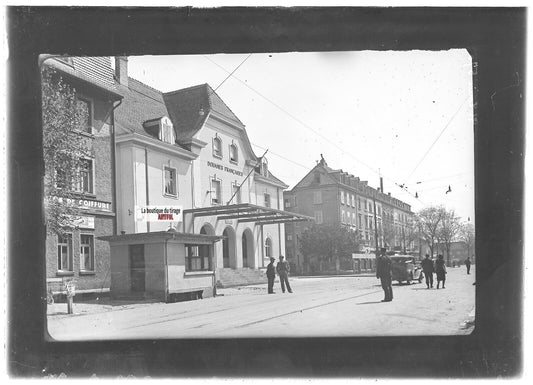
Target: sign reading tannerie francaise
[(224, 168)]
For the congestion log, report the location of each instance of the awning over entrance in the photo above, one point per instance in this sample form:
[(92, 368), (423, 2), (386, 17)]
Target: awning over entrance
[(247, 212)]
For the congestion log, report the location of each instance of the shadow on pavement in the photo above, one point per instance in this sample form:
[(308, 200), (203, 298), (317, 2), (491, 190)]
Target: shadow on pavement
[(368, 303)]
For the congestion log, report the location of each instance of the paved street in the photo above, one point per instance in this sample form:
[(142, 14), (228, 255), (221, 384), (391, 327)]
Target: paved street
[(319, 306)]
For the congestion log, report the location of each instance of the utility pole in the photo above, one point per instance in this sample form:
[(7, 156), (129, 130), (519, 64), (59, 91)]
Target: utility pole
[(375, 224)]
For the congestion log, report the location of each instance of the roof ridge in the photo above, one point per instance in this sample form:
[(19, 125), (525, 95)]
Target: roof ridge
[(222, 100), (186, 89), (146, 85)]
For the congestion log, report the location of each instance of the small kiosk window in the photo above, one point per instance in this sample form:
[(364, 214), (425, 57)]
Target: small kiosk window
[(197, 258)]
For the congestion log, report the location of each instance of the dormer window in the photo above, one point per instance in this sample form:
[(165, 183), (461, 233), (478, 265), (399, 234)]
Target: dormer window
[(167, 131), (233, 153), (161, 129), (264, 167), (217, 147)]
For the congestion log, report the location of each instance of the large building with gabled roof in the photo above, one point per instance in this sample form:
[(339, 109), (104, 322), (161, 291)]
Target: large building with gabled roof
[(334, 196), (187, 149)]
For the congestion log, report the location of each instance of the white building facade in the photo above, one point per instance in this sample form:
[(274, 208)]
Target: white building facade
[(187, 149)]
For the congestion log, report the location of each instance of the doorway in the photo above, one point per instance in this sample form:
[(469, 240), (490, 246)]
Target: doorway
[(228, 248), (137, 268)]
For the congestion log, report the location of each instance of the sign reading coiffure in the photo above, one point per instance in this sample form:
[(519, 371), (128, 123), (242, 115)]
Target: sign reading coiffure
[(88, 204), (224, 168)]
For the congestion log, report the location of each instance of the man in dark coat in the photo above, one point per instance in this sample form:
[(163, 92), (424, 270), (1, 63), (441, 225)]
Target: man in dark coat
[(283, 270), (468, 263), (271, 275), (384, 273), (429, 269)]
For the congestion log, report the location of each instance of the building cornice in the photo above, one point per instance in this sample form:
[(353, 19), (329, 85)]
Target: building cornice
[(155, 144), (262, 179)]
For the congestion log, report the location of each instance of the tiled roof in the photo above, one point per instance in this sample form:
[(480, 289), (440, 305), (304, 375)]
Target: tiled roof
[(273, 178), (140, 103), (94, 70), (185, 108)]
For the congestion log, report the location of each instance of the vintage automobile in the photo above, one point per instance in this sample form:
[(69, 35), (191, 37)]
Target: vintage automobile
[(406, 269)]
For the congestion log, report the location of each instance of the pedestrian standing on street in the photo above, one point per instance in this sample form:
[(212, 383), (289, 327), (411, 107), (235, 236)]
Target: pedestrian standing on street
[(429, 269), (271, 275), (468, 263), (440, 269), (283, 270), (384, 273)]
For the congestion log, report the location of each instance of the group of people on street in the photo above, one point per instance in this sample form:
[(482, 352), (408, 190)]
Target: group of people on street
[(384, 272), (439, 268), (282, 268)]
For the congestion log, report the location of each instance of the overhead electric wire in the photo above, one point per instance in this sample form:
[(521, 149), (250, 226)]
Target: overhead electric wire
[(232, 72), (435, 141), (401, 186), (295, 118)]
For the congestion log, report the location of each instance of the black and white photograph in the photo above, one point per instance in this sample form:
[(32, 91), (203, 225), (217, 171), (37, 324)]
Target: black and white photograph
[(248, 195), (356, 174)]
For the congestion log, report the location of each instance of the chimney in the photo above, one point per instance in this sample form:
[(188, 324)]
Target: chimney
[(121, 70), (381, 183)]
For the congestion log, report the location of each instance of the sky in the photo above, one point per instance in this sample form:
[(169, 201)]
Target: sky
[(406, 116)]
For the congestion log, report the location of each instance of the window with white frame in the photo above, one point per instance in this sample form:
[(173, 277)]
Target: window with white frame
[(86, 252), (264, 167), (167, 133), (287, 202), (342, 197), (86, 182), (216, 192), (267, 199), (233, 153), (268, 248), (318, 217), (317, 197), (236, 192), (217, 147), (343, 216), (353, 200), (64, 252), (84, 110), (170, 181)]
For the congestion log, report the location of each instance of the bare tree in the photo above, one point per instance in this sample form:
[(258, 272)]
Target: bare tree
[(467, 235), (427, 221), (449, 228)]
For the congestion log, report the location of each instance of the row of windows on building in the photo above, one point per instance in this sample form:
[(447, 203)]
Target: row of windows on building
[(216, 193), (65, 253), (218, 153)]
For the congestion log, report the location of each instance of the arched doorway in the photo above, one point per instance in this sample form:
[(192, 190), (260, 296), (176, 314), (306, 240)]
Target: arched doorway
[(228, 248), (247, 249), (205, 251)]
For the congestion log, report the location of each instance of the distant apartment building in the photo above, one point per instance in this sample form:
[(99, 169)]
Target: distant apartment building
[(334, 196)]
